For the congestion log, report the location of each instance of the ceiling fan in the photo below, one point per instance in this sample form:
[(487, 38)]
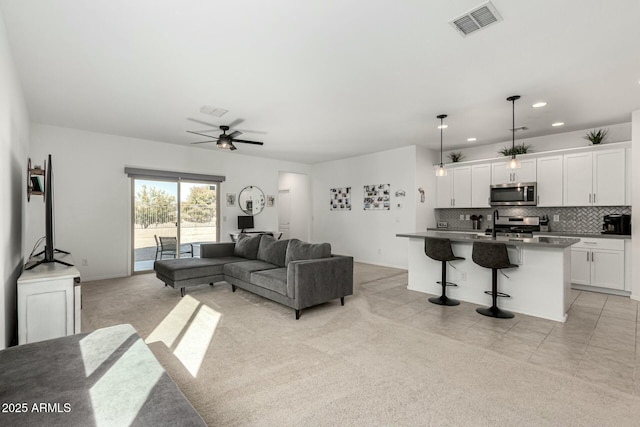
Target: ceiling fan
[(224, 141)]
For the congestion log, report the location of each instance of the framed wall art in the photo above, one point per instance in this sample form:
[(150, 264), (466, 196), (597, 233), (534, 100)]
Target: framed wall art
[(231, 200), (377, 197), (340, 199)]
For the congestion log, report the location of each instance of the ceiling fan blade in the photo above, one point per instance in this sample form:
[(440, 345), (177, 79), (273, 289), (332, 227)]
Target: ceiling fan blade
[(232, 147), (236, 122), (203, 123), (234, 134), (202, 134), (248, 142), (201, 142)]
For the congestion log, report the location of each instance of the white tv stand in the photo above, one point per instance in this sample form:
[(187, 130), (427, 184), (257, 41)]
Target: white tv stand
[(49, 301)]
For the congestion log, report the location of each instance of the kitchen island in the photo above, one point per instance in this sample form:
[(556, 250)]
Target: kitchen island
[(539, 287)]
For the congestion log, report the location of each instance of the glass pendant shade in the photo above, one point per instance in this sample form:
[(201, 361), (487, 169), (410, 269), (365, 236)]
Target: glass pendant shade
[(513, 163), (441, 171)]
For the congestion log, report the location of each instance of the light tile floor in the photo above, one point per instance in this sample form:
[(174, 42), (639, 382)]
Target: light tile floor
[(599, 341)]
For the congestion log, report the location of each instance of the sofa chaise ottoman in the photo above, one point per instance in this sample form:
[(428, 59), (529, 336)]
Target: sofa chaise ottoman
[(291, 272)]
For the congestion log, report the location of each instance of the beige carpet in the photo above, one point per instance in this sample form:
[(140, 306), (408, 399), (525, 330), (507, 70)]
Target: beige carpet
[(338, 365)]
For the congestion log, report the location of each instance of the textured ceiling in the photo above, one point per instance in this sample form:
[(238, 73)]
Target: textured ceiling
[(320, 79)]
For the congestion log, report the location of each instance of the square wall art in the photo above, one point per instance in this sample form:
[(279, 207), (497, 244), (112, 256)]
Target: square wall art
[(340, 199), (377, 197)]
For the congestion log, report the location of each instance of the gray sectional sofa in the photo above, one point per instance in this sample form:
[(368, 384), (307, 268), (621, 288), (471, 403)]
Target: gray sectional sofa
[(291, 272)]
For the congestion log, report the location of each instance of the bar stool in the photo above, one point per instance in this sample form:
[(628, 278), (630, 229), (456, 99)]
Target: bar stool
[(439, 249), (495, 257)]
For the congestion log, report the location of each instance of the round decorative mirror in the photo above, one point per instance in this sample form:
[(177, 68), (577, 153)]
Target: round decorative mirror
[(251, 200)]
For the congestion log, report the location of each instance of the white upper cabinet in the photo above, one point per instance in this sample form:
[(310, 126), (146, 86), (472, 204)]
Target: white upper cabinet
[(462, 187), (480, 185), (444, 190), (501, 175), (609, 177), (549, 174), (578, 179), (454, 189), (595, 178)]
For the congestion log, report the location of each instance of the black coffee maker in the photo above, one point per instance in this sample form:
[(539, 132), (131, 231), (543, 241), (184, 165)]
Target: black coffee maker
[(617, 224)]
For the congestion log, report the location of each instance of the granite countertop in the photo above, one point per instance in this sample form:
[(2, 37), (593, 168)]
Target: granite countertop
[(477, 236), (541, 233)]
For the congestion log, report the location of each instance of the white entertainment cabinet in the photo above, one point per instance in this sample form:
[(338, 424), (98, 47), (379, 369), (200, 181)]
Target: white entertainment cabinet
[(49, 301)]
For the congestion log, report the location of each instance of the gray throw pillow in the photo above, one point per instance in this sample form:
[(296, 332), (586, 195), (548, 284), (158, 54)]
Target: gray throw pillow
[(298, 250), (247, 246), (272, 250)]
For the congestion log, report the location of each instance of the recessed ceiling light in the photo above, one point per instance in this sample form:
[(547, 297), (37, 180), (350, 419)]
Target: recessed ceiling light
[(556, 124), (472, 139), (443, 126), (539, 104)]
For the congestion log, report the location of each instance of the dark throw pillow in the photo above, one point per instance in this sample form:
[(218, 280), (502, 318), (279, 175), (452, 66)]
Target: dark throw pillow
[(247, 246), (272, 250), (298, 250)]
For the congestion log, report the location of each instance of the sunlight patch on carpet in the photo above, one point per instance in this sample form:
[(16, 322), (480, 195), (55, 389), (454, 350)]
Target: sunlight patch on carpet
[(175, 322)]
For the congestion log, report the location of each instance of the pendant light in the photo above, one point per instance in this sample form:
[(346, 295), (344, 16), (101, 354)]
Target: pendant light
[(513, 163), (441, 171)]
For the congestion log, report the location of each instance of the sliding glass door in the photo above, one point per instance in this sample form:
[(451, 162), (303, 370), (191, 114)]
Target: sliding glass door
[(171, 218)]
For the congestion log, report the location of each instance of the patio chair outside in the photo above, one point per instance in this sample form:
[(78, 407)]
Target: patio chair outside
[(167, 246)]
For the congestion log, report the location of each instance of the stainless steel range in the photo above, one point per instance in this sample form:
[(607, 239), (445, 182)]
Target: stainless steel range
[(517, 226)]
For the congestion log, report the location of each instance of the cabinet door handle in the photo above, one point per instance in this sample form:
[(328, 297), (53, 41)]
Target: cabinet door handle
[(589, 197), (593, 257), (538, 202), (594, 197), (454, 202), (587, 256)]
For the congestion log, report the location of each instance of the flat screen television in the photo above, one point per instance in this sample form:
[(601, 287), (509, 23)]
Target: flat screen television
[(49, 226), (245, 222)]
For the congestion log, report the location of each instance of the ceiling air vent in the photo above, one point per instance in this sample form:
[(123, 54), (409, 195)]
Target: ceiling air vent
[(476, 19)]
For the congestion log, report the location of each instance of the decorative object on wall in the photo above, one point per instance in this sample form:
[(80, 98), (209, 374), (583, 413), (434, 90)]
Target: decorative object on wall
[(340, 199), (231, 200), (271, 200), (456, 156), (251, 200), (377, 197), (441, 171), (422, 197), (596, 136), (513, 163), (400, 193)]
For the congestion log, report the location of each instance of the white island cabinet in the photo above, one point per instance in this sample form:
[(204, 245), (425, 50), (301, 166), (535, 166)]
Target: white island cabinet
[(540, 286), (48, 301)]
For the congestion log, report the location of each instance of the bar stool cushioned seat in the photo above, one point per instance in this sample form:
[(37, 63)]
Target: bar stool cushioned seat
[(495, 257), (439, 249)]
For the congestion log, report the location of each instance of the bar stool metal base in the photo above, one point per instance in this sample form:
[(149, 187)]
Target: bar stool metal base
[(494, 311), (444, 300)]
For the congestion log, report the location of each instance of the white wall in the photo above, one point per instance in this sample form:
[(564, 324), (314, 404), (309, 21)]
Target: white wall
[(370, 236), (617, 133), (425, 179), (299, 192), (14, 145), (635, 205), (93, 194)]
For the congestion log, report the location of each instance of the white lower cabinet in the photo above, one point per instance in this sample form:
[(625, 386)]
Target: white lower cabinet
[(599, 263)]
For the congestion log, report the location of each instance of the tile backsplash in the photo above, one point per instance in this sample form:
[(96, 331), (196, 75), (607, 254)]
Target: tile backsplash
[(572, 219)]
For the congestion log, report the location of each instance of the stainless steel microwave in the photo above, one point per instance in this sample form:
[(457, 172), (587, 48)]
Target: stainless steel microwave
[(514, 194)]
